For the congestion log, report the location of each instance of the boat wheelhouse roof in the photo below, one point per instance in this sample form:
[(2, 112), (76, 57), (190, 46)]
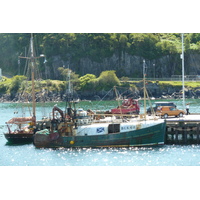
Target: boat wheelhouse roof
[(20, 120)]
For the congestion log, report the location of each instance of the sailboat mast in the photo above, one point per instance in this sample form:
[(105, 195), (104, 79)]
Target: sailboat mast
[(32, 77), (69, 78), (144, 76), (32, 66), (183, 84)]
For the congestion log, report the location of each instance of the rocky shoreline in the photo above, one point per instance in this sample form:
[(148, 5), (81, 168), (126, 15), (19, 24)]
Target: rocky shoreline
[(155, 91)]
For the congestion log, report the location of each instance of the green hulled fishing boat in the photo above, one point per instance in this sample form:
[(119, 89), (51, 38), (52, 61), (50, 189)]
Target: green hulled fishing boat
[(79, 128)]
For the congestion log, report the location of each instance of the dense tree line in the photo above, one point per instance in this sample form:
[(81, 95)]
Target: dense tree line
[(95, 46)]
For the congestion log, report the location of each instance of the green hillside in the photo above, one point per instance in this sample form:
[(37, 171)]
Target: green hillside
[(93, 46)]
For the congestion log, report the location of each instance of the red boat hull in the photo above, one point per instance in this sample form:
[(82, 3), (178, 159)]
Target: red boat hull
[(124, 111)]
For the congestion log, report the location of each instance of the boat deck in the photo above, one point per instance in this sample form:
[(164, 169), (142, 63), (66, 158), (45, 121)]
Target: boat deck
[(191, 117)]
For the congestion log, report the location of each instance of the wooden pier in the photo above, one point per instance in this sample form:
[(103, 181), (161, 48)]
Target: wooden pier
[(184, 130)]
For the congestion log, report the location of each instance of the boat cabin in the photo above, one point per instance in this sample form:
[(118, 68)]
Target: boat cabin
[(129, 106)]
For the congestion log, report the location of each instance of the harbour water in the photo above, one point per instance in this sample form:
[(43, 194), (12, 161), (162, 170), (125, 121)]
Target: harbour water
[(28, 155), (153, 174)]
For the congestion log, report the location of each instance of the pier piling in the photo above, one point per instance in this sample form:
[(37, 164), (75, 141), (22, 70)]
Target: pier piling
[(183, 131)]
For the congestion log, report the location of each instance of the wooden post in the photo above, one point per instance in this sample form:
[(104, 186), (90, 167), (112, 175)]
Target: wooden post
[(197, 133), (185, 135), (166, 135), (176, 137)]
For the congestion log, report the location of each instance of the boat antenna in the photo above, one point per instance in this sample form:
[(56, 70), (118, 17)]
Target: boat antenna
[(182, 57)]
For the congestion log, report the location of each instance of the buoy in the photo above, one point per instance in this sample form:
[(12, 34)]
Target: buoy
[(71, 142)]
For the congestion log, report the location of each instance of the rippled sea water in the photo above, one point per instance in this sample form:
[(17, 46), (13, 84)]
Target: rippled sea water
[(28, 155), (166, 155)]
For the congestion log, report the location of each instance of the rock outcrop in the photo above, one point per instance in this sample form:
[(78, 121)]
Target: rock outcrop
[(128, 65)]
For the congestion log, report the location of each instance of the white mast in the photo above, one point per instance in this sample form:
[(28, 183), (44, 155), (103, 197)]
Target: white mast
[(0, 73), (69, 85), (182, 57), (32, 75), (144, 76)]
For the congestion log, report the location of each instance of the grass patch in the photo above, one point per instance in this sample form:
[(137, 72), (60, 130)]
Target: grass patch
[(192, 84)]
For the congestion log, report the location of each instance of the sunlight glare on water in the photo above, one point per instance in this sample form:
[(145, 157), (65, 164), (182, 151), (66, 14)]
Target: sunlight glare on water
[(28, 155), (145, 156)]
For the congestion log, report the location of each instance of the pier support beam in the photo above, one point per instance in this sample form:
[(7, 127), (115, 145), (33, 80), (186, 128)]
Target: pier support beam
[(198, 133), (183, 132)]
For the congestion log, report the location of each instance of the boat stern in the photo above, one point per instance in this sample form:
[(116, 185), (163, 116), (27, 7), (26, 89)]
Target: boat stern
[(41, 138)]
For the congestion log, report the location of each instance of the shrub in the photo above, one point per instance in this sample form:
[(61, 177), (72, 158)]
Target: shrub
[(85, 81), (16, 83), (108, 79)]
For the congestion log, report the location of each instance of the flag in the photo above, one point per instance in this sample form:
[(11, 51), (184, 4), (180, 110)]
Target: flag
[(100, 129)]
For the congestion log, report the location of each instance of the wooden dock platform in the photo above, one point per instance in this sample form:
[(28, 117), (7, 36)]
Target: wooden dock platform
[(184, 130)]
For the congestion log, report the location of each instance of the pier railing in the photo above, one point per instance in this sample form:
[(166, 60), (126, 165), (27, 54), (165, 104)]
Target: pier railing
[(173, 78)]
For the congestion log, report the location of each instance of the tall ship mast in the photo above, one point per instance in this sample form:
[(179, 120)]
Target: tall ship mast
[(26, 126), (183, 71)]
